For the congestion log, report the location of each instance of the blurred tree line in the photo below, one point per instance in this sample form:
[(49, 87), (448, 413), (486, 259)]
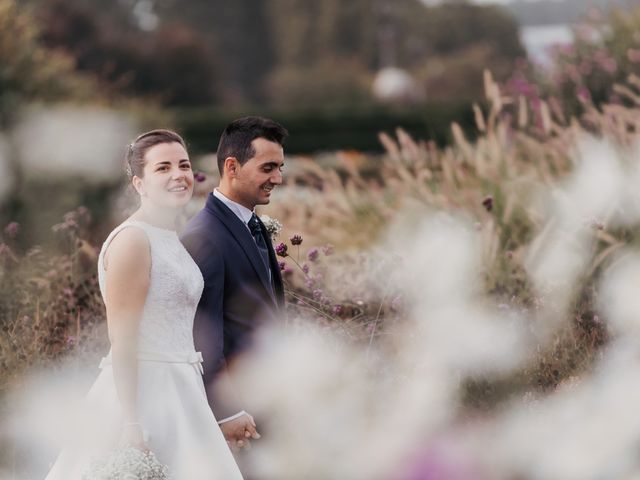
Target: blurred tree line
[(284, 53), (29, 71)]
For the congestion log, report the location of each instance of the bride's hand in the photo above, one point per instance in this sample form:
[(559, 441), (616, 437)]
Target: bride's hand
[(132, 435)]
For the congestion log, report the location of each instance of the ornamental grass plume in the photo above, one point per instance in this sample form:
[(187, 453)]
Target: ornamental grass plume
[(511, 334)]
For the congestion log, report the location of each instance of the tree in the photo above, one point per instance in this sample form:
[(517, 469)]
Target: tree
[(28, 71), (173, 64)]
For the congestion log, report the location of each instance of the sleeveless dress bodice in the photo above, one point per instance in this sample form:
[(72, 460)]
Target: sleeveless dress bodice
[(171, 401), (175, 286)]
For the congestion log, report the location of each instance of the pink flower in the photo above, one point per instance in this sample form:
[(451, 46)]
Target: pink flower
[(633, 55), (584, 95), (312, 255), (327, 249), (12, 229), (609, 65)]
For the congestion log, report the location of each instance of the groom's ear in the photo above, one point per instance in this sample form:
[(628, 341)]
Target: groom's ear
[(231, 165)]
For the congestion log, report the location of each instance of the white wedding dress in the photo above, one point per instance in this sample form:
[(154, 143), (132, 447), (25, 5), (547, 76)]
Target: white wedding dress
[(172, 406)]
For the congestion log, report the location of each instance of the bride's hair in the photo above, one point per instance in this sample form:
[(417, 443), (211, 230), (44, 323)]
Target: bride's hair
[(136, 150)]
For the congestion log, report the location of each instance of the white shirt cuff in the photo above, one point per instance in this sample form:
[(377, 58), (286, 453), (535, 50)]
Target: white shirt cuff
[(233, 417)]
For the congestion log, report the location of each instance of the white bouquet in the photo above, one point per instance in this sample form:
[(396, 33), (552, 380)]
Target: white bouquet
[(127, 463)]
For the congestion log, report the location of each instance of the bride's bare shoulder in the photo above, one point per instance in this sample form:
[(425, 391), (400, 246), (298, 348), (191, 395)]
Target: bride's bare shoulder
[(130, 246)]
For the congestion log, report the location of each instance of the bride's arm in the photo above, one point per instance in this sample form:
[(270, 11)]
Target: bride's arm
[(127, 263)]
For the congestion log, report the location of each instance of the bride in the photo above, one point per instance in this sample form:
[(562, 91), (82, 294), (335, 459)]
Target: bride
[(150, 393)]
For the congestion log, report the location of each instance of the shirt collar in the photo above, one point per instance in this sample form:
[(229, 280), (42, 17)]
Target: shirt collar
[(242, 212)]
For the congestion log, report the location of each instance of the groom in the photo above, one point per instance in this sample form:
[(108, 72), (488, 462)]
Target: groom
[(242, 283)]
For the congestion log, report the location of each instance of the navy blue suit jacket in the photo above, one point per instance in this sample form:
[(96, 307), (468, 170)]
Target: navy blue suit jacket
[(237, 296)]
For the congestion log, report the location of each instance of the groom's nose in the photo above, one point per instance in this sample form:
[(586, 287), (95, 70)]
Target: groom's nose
[(276, 177)]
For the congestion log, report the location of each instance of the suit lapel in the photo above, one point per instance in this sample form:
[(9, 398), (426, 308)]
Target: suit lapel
[(275, 268), (242, 235)]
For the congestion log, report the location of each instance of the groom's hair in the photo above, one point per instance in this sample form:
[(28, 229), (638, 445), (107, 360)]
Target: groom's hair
[(237, 137)]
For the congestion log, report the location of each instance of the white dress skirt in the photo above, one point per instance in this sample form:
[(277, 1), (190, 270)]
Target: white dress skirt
[(172, 407)]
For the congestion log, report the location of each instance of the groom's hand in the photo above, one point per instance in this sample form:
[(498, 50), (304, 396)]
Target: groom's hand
[(238, 431)]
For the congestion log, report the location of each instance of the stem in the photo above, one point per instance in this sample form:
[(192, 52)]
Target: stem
[(375, 321), (307, 302)]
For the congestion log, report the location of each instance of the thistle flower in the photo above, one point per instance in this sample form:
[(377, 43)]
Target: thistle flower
[(282, 266), (312, 255), (296, 240), (281, 250)]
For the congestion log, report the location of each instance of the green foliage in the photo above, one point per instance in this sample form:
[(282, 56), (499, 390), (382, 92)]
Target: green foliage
[(50, 305), (328, 129), (276, 53), (171, 65), (28, 71)]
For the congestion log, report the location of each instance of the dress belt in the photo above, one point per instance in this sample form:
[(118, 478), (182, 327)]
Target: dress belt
[(192, 358)]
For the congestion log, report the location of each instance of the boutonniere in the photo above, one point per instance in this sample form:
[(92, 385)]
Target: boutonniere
[(273, 226)]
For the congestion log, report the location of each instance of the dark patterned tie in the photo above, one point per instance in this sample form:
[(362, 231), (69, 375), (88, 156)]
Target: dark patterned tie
[(256, 232)]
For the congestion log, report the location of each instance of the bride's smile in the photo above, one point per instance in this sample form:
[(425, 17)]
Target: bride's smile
[(166, 179)]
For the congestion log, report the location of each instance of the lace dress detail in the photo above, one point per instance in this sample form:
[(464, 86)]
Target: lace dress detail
[(175, 287), (172, 406)]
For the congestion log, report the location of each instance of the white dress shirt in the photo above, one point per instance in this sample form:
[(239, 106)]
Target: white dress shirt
[(242, 212)]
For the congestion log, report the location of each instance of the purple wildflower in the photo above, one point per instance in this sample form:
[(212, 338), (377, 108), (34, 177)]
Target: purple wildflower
[(633, 55), (336, 310), (327, 249), (396, 303), (282, 266), (70, 217), (305, 268), (12, 229), (312, 255), (199, 177), (281, 250), (84, 213), (584, 94), (488, 203), (317, 294), (296, 240)]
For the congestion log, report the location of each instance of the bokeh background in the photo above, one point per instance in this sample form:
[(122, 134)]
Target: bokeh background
[(463, 180)]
